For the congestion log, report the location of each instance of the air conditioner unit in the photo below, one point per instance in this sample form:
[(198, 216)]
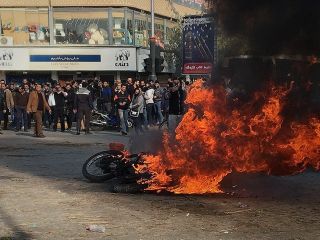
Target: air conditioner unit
[(6, 41)]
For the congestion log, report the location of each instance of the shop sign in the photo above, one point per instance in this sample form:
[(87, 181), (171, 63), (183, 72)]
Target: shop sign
[(68, 59), (11, 59), (122, 58), (65, 58)]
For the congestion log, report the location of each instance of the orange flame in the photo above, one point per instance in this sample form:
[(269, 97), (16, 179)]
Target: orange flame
[(213, 140)]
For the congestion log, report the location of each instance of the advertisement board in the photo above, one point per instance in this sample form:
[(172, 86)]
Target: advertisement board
[(198, 45), (191, 3), (68, 59)]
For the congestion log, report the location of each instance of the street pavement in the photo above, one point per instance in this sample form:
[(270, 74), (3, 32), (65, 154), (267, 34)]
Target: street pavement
[(43, 195)]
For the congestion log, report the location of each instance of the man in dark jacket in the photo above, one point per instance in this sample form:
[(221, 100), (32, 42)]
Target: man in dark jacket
[(175, 111), (70, 105), (59, 98), (83, 106), (48, 119), (21, 102), (130, 87), (122, 100), (106, 95)]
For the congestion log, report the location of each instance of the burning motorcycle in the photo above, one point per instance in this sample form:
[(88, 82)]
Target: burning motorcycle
[(115, 163)]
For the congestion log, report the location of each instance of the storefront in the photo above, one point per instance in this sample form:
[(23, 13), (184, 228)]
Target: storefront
[(67, 63), (89, 37)]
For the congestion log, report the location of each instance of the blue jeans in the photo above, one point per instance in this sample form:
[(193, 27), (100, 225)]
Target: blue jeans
[(21, 116), (157, 108), (123, 115), (145, 117), (150, 108)]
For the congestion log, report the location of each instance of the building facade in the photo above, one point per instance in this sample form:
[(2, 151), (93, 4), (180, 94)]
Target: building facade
[(72, 39)]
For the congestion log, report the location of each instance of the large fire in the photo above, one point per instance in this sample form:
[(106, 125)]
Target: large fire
[(216, 138)]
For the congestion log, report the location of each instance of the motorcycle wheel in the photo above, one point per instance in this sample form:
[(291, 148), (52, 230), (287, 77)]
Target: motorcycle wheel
[(93, 172)]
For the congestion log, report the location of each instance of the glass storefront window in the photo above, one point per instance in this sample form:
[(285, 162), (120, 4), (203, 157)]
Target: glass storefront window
[(30, 26), (87, 26), (118, 28), (159, 31), (130, 27), (24, 26), (141, 35)]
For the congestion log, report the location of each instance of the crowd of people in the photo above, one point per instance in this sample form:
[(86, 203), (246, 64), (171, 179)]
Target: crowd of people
[(52, 104)]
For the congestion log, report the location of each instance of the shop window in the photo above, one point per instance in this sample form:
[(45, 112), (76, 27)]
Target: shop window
[(81, 27), (130, 27), (23, 26), (119, 30), (141, 35), (159, 31)]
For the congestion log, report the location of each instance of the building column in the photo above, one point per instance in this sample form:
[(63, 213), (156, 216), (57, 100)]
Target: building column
[(51, 26)]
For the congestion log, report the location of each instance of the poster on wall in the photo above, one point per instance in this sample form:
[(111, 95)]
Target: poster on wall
[(68, 59), (198, 45)]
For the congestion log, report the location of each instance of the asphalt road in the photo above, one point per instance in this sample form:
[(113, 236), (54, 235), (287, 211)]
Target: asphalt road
[(44, 196)]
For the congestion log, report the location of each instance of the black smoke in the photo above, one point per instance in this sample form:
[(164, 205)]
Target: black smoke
[(272, 26)]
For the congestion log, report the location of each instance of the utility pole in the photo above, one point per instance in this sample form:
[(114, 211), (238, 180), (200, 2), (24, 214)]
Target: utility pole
[(153, 76)]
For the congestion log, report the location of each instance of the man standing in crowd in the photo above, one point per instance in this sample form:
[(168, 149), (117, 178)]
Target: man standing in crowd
[(59, 98), (130, 87), (106, 95), (37, 104), (70, 105), (136, 106), (158, 95), (122, 100), (9, 105), (21, 102), (149, 95), (47, 117), (83, 106), (13, 89), (145, 115), (175, 104), (52, 105), (27, 90)]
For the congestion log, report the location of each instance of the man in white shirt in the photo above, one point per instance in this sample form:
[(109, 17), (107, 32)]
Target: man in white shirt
[(148, 96)]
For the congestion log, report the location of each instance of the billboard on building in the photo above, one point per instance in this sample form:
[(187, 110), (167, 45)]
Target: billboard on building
[(198, 45), (191, 3), (68, 59)]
